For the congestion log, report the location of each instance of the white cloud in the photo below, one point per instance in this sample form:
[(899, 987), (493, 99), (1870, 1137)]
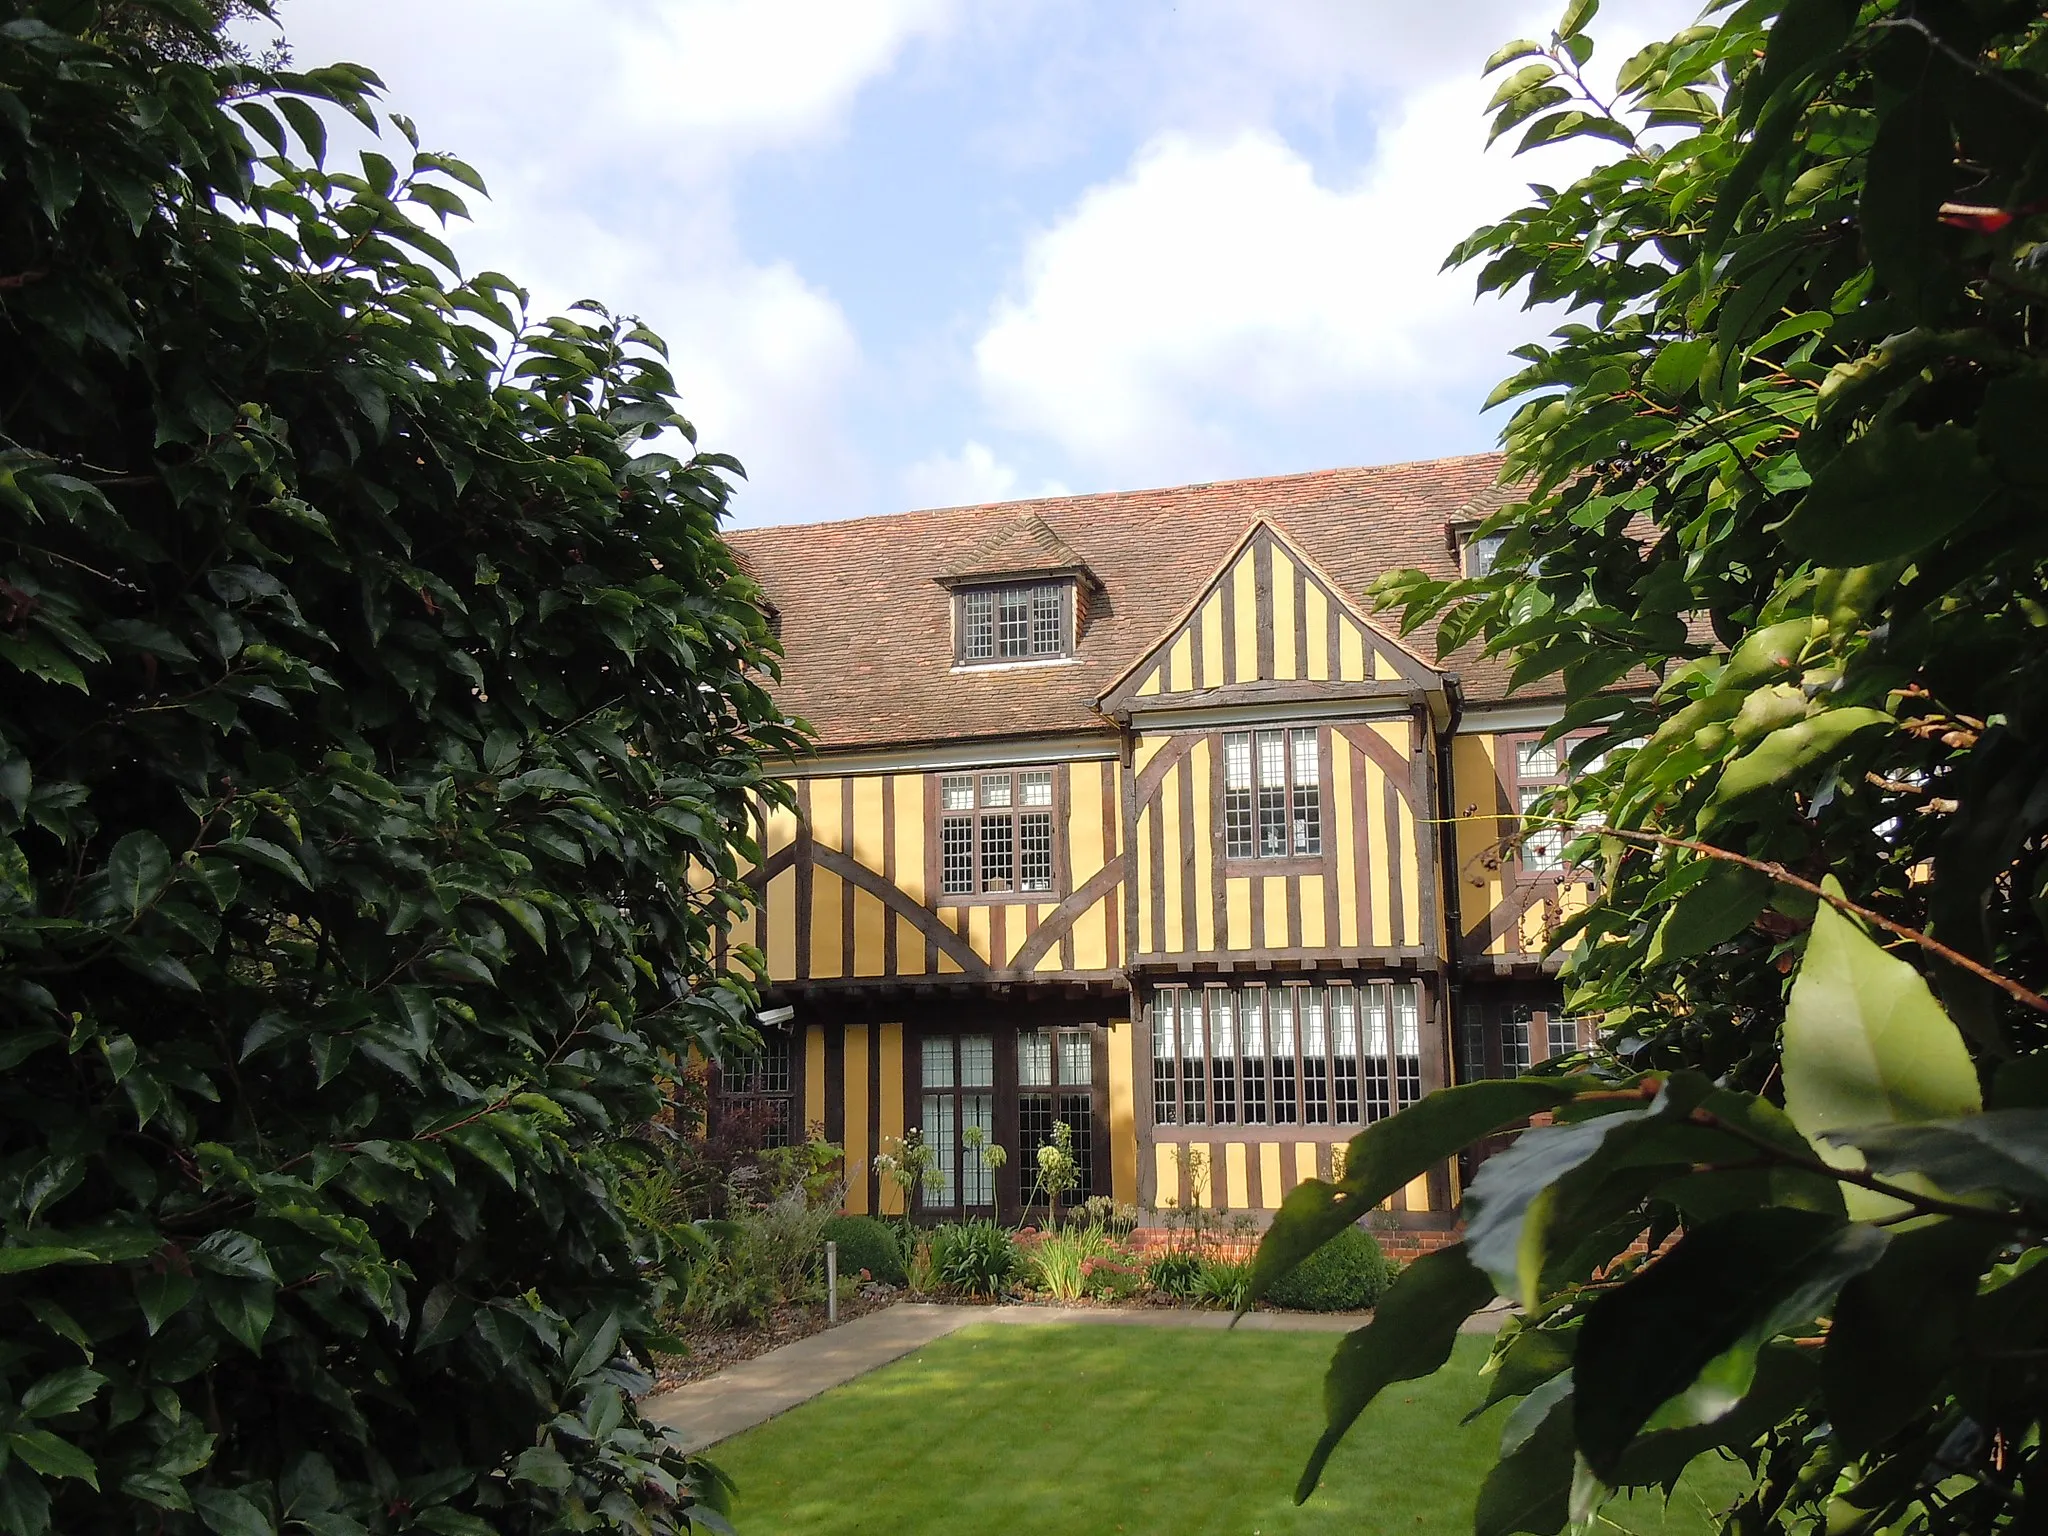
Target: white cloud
[(968, 478), (1218, 282), (611, 136), (750, 74)]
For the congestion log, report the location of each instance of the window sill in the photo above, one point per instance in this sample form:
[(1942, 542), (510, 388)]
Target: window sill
[(1293, 864), (1002, 899), (1024, 664)]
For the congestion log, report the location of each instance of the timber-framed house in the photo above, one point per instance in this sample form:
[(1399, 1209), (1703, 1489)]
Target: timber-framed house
[(1128, 812)]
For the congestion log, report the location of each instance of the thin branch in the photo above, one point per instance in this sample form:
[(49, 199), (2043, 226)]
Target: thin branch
[(1784, 876), (1927, 1204)]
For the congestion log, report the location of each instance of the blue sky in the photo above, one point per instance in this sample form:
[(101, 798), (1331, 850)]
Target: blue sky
[(925, 252)]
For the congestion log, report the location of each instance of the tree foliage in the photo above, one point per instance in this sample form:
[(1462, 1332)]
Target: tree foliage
[(1778, 542), (379, 713)]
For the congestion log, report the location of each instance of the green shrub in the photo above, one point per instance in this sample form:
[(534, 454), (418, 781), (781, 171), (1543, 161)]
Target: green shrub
[(1057, 1263), (866, 1243), (974, 1258), (372, 670), (1347, 1273), (1220, 1282), (764, 1258), (1174, 1273)]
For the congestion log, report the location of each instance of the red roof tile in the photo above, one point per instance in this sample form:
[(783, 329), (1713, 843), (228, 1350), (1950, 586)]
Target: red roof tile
[(867, 626)]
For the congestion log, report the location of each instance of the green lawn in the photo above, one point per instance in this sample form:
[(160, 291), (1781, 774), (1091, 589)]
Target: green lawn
[(1167, 1432)]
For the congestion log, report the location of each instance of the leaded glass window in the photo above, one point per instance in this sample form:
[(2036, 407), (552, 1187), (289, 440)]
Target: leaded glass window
[(1016, 623), (997, 833), (1272, 794)]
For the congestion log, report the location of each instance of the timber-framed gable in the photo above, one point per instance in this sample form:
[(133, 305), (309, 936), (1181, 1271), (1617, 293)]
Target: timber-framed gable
[(1127, 813)]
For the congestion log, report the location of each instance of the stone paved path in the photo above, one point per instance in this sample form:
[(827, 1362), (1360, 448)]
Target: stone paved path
[(754, 1391)]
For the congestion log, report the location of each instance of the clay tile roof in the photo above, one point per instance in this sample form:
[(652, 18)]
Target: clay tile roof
[(1025, 546), (868, 627)]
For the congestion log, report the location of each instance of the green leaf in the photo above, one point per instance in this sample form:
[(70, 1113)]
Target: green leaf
[(228, 1513), (1576, 14), (1734, 1282), (61, 1393), (1909, 175), (1527, 78), (1892, 492), (1529, 1488), (2004, 1150), (1410, 1336), (306, 122), (1786, 753), (544, 1467), (1865, 1042), (52, 1456), (1385, 1157), (138, 871), (24, 1502), (162, 1294), (14, 1261), (1898, 1329), (243, 1307), (1520, 48), (1727, 900)]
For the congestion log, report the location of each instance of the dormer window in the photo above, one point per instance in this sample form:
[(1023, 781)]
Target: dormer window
[(1481, 550), (1024, 622)]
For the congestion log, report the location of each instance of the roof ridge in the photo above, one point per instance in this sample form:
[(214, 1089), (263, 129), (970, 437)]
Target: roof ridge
[(1024, 504)]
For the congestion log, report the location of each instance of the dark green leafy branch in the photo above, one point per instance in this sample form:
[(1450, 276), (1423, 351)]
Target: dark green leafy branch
[(382, 724), (1777, 544)]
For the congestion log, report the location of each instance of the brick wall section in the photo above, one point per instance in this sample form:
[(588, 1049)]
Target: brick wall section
[(1401, 1243)]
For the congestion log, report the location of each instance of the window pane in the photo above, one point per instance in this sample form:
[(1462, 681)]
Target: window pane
[(995, 791), (1407, 1045), (1034, 1059), (1013, 622), (1034, 1130), (1280, 1022), (1194, 1102), (1315, 1049), (1165, 1076), (1514, 1039), (1034, 847), (938, 1135), (1222, 1055), (978, 626), (1077, 1059), (1480, 553), (1035, 788), (1536, 759), (1237, 795), (1375, 1068), (1564, 1036), (1472, 1027), (996, 833), (1272, 795), (956, 856), (1048, 629), (1543, 847), (938, 1063), (1251, 1015), (1344, 1025), (977, 1179), (956, 792), (1308, 795), (977, 1061), (1077, 1110)]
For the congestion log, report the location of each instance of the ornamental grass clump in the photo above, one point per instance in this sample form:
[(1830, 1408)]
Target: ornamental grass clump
[(1057, 1262), (1221, 1282), (973, 1258)]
